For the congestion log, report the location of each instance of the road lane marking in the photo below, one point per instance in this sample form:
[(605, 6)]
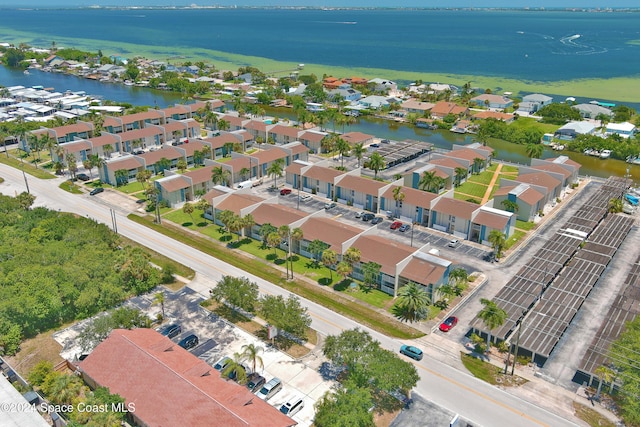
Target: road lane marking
[(337, 326)]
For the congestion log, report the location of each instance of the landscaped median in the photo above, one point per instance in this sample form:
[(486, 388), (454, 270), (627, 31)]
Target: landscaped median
[(331, 300)]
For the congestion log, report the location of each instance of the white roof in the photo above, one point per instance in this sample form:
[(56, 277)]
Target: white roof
[(537, 97), (620, 127), (12, 397), (579, 127)]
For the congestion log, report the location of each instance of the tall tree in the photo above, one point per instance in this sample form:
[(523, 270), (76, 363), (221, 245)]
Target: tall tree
[(398, 196), (427, 180), (376, 163), (412, 304), (238, 292), (188, 208), (316, 247), (275, 170), (329, 259), (251, 353), (122, 177), (265, 230), (344, 269), (371, 273), (159, 299), (220, 175), (510, 205), (460, 173), (492, 316), (343, 148), (534, 150), (359, 151), (498, 242)]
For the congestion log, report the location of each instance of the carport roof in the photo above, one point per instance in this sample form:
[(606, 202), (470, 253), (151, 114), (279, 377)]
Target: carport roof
[(140, 365)]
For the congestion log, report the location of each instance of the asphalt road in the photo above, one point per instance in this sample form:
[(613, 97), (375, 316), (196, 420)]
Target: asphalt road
[(458, 392)]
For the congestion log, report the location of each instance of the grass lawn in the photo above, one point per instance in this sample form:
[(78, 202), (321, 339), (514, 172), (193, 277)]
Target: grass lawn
[(524, 225), (36, 349), (132, 187), (70, 187), (517, 235), (591, 417), (488, 372), (374, 297), (193, 221), (472, 189), (332, 301), (466, 197), (529, 123), (509, 169), (482, 178), (28, 168)]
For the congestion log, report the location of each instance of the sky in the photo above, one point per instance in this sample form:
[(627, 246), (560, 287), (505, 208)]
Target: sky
[(330, 3)]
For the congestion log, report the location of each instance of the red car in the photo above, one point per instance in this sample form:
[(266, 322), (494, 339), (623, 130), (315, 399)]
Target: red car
[(395, 225), (285, 191), (449, 323)]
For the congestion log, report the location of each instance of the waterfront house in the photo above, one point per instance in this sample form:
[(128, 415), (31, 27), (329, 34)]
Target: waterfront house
[(443, 108), (374, 102), (624, 129), (331, 82), (416, 106), (530, 104), (345, 92), (494, 102), (565, 162), (383, 85), (591, 111), (497, 115), (571, 130)]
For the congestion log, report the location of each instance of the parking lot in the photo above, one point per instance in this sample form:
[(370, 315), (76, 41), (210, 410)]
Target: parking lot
[(217, 338)]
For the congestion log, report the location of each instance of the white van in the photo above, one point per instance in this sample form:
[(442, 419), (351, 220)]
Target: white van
[(270, 389), (244, 184)]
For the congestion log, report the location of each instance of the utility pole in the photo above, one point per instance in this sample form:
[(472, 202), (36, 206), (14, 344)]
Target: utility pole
[(114, 221), (24, 175)]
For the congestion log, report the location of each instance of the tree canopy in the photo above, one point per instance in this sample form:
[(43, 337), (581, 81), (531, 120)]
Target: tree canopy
[(56, 268)]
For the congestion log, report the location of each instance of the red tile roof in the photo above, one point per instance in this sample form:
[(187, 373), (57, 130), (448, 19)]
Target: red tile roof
[(466, 154), (256, 125), (360, 184), (140, 133), (298, 149), (173, 126), (294, 168), (172, 387), (494, 115), (178, 109), (234, 121), (219, 141), (553, 167), (449, 162), (276, 215), (565, 161), (312, 136), (267, 156), (444, 108), (190, 146), (331, 232)]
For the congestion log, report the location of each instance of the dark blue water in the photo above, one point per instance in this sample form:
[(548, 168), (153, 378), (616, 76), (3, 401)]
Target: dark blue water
[(525, 45), (107, 91)]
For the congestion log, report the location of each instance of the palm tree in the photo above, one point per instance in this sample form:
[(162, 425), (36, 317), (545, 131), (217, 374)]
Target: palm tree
[(235, 370), (327, 144), (478, 163), (181, 165), (108, 149), (206, 151), (188, 208), (498, 241), (376, 163), (34, 145), (158, 299), (220, 175), (97, 162), (275, 170), (162, 165), (198, 157), (343, 148), (265, 230), (510, 206), (72, 165), (605, 375), (143, 177), (329, 258), (352, 256), (274, 240), (251, 354), (461, 173), (492, 316), (316, 247), (616, 205), (535, 150), (398, 196), (223, 125), (413, 303), (122, 177), (427, 180), (344, 269), (244, 172), (48, 142), (458, 277), (358, 151), (296, 235)]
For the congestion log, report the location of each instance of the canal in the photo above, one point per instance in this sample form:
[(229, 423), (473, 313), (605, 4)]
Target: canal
[(591, 166)]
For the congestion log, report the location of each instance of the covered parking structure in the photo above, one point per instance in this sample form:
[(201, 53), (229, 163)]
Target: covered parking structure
[(539, 307), (397, 152), (624, 309)]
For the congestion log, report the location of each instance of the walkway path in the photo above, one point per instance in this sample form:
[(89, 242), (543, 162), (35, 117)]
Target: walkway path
[(496, 175)]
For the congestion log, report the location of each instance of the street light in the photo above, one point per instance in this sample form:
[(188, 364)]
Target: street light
[(413, 224)]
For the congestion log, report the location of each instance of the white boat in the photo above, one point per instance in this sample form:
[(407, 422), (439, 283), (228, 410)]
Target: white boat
[(588, 151), (595, 153), (604, 154), (27, 72)]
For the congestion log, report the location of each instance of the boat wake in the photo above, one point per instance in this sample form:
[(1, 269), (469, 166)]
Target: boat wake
[(576, 46), (338, 22)]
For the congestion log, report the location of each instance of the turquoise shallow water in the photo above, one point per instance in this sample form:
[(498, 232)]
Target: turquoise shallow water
[(525, 45)]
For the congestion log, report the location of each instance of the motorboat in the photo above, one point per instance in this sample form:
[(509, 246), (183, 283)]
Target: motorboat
[(604, 154)]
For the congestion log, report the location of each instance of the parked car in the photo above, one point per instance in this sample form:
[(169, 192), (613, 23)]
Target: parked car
[(395, 225), (376, 220), (170, 331), (375, 145), (328, 205), (368, 217), (285, 191), (449, 323), (292, 406), (95, 191), (189, 342), (255, 382), (453, 243), (222, 363), (270, 389), (385, 141), (359, 214), (411, 351), (305, 197), (404, 227), (83, 177)]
